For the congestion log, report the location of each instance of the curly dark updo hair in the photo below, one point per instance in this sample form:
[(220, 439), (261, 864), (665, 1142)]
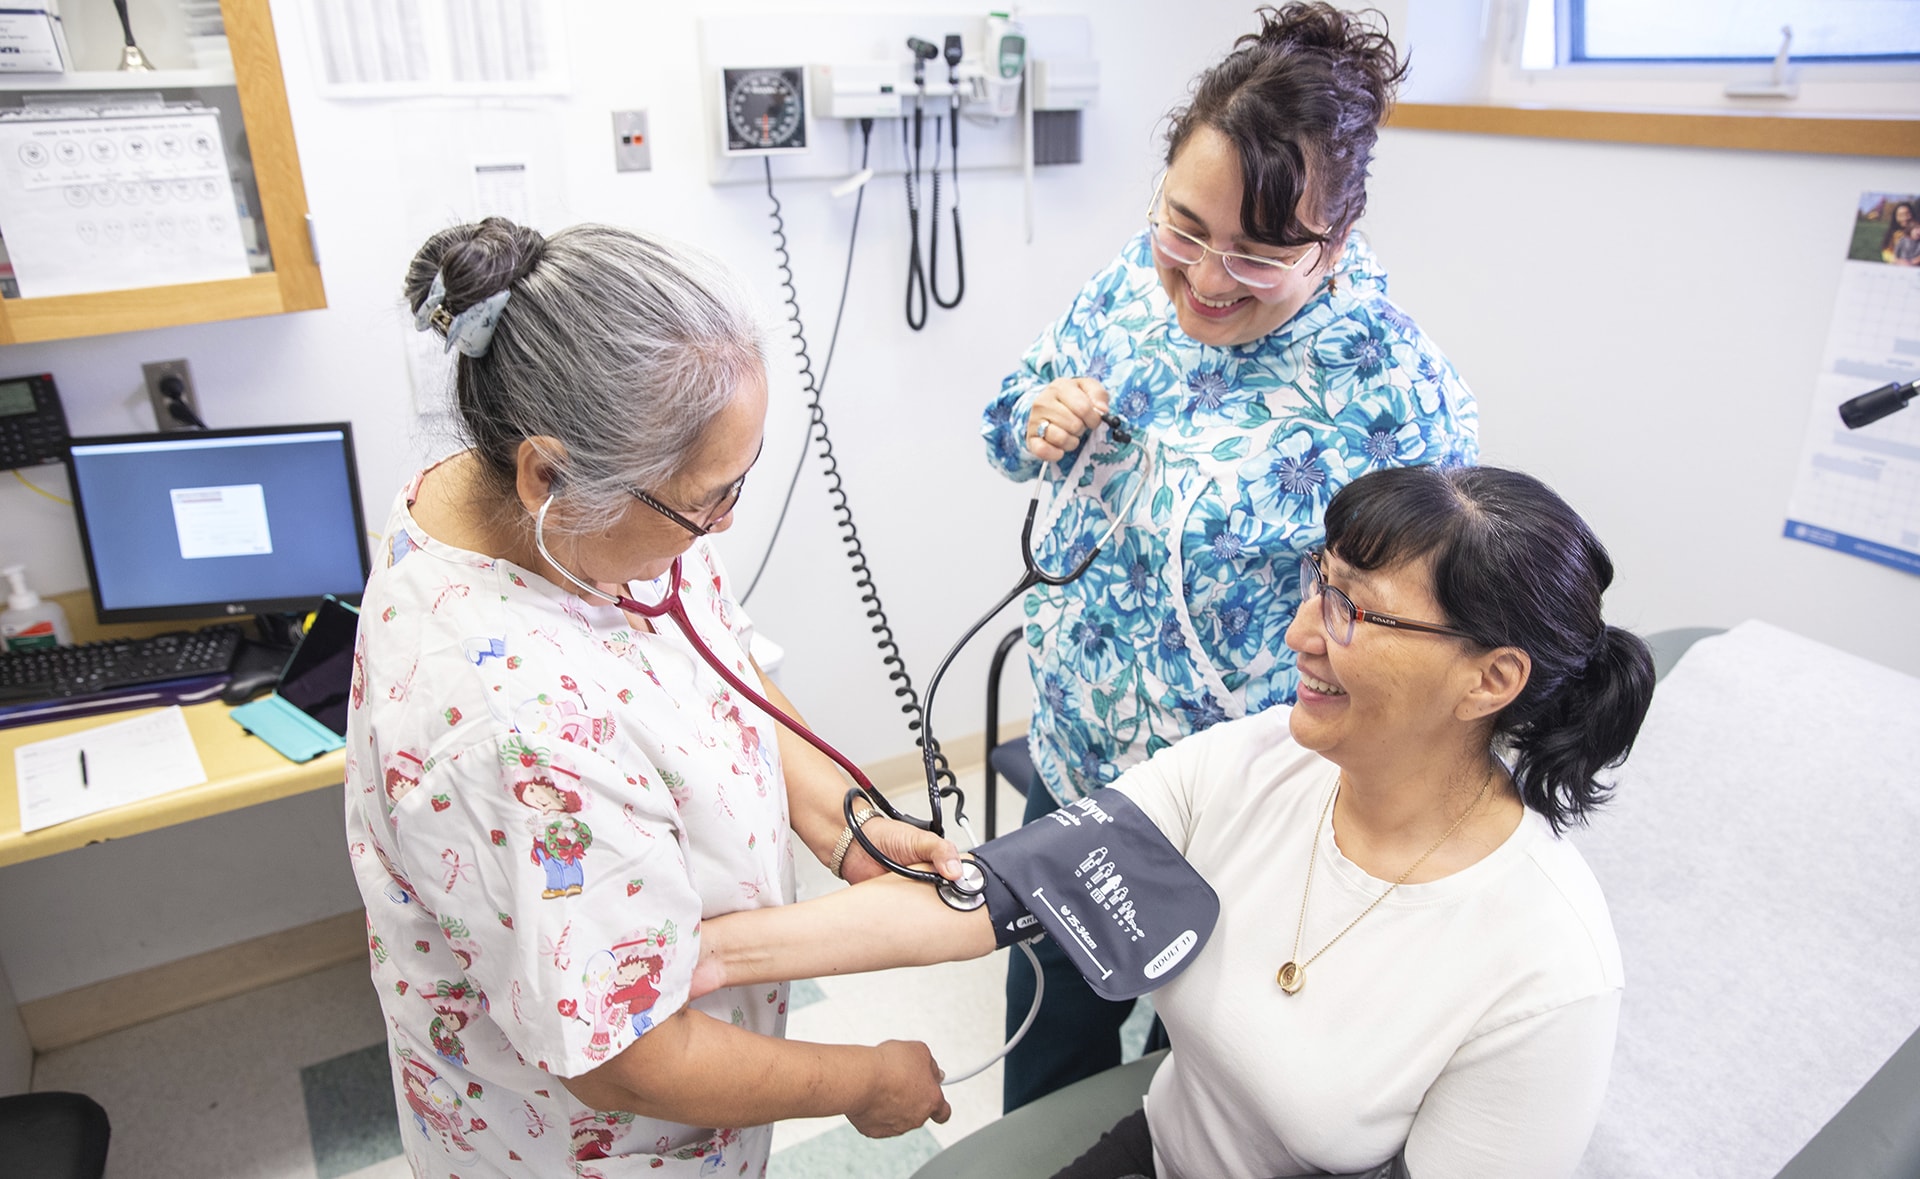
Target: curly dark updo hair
[(1301, 101)]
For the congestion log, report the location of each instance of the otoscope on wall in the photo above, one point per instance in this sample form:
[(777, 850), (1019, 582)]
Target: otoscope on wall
[(1871, 407)]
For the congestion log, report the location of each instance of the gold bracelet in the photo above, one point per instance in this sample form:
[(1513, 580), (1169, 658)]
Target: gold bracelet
[(846, 840)]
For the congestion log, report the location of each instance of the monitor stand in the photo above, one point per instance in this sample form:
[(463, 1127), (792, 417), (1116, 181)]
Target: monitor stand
[(258, 663)]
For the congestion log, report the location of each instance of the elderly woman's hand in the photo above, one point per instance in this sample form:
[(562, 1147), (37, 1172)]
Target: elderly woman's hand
[(904, 844), (1067, 409)]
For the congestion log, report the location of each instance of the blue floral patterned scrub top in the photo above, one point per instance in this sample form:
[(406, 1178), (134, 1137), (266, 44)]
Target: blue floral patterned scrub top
[(1180, 622)]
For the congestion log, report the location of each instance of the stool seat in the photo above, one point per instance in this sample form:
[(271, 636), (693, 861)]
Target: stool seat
[(1043, 1136), (53, 1136)]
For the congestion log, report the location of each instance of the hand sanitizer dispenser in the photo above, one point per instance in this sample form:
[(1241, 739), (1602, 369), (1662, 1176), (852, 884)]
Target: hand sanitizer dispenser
[(29, 622)]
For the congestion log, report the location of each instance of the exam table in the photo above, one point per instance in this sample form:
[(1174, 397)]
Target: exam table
[(1762, 864)]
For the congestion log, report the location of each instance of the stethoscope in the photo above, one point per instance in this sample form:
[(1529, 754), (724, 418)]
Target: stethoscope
[(968, 892)]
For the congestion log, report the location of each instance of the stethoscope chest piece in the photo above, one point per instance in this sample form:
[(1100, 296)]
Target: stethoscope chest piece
[(969, 892)]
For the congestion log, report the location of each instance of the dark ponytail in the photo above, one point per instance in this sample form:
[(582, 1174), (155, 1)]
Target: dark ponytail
[(1585, 727), (1514, 566)]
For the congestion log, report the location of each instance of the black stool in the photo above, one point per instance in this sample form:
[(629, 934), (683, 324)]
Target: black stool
[(52, 1136)]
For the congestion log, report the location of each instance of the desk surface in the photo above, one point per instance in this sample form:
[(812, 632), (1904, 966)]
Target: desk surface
[(242, 770)]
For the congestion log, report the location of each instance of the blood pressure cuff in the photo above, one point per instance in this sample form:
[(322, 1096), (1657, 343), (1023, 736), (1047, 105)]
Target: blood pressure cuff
[(1097, 874)]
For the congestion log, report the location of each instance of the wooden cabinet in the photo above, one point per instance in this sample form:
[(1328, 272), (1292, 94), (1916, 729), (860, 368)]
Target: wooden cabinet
[(287, 277)]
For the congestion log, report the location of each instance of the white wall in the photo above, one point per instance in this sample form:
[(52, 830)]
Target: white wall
[(940, 529), (1642, 326)]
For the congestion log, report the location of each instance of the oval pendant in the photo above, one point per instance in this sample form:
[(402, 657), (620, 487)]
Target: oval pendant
[(1291, 978)]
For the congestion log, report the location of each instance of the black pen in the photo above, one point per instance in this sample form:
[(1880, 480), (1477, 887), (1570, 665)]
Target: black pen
[(83, 768)]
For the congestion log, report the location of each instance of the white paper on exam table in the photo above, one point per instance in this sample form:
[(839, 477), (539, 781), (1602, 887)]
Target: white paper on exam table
[(126, 761)]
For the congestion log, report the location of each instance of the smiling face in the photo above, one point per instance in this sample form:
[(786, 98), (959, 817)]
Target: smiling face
[(1201, 197), (1389, 693)]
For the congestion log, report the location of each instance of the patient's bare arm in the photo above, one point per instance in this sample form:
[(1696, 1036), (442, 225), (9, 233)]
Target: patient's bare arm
[(881, 923)]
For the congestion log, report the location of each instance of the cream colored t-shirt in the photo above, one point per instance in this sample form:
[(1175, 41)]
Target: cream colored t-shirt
[(1470, 1019)]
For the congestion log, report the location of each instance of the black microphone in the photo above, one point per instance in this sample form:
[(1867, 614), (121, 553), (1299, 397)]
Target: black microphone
[(1871, 407)]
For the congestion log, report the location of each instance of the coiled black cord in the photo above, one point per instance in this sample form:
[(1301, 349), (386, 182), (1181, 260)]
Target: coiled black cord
[(933, 247), (942, 783), (833, 343), (916, 269)]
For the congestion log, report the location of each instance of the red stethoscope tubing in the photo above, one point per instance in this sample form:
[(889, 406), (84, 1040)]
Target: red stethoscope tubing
[(672, 607)]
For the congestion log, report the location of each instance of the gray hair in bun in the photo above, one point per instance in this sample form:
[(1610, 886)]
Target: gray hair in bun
[(621, 345)]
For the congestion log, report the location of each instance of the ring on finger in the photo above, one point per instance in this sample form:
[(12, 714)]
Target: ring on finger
[(1042, 434)]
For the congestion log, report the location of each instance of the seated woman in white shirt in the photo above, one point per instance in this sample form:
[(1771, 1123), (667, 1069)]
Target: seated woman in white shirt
[(1410, 962)]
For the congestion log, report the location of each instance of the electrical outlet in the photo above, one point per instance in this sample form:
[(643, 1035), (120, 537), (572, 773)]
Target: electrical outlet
[(160, 373), (631, 150)]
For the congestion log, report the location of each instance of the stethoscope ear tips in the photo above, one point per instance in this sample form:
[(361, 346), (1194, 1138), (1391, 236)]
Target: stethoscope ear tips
[(1117, 426)]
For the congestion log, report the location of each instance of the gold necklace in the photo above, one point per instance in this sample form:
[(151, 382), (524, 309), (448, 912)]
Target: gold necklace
[(1293, 975)]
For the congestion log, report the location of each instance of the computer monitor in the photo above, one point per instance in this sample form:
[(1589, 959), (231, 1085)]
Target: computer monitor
[(217, 523)]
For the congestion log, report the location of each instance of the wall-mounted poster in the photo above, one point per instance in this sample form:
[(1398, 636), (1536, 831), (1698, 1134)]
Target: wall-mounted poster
[(116, 199), (1858, 491)]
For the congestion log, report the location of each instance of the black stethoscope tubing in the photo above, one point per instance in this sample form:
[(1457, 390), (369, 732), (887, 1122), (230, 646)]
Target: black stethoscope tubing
[(1031, 576)]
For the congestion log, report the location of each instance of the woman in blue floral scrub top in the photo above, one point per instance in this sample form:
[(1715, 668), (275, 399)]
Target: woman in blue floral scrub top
[(1246, 337)]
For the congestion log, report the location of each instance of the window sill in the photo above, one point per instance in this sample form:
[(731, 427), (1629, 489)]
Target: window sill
[(1821, 134)]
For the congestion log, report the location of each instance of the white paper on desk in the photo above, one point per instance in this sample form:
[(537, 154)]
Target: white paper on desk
[(117, 200), (126, 761)]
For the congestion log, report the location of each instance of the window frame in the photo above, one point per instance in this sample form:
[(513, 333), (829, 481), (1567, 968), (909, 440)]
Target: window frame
[(1872, 88)]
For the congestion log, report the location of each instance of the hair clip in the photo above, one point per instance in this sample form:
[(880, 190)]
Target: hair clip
[(423, 317), (471, 331)]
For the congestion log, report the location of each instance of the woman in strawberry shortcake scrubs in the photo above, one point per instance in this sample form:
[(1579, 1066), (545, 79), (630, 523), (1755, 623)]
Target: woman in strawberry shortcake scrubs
[(546, 795)]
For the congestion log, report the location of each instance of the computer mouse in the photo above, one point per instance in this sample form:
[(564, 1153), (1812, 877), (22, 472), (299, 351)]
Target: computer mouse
[(246, 683)]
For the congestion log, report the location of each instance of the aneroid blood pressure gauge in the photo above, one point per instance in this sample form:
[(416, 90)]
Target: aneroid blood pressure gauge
[(765, 109)]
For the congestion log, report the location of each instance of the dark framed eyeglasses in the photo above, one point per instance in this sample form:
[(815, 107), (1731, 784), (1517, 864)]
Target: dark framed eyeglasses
[(1340, 615), (727, 500)]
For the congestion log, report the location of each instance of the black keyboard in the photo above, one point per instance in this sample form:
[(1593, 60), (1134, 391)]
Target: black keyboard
[(54, 673)]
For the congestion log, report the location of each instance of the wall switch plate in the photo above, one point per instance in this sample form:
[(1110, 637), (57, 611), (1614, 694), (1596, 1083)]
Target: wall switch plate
[(157, 371), (632, 150)]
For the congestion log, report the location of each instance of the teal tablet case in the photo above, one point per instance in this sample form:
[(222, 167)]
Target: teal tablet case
[(296, 735)]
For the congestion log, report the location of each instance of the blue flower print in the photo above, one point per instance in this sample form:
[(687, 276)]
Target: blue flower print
[(1355, 350), (1172, 661), (1057, 694), (1003, 436), (1226, 536), (1380, 439), (1240, 620), (1207, 391), (1292, 477), (1099, 298), (1093, 645), (1203, 713), (1131, 580)]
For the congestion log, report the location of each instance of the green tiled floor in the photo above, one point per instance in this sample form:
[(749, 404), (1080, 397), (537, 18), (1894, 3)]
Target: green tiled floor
[(845, 1152), (350, 1111)]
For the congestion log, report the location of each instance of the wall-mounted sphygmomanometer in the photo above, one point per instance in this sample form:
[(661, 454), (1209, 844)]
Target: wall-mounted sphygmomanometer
[(765, 111)]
